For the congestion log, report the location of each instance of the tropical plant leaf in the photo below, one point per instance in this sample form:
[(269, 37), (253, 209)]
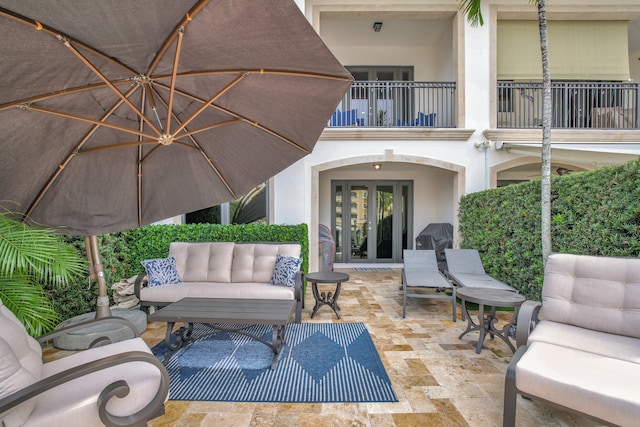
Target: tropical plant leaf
[(29, 302)]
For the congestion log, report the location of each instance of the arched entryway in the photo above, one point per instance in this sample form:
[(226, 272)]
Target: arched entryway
[(429, 188)]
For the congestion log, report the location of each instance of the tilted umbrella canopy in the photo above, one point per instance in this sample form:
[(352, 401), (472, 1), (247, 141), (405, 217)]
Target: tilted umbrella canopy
[(118, 114)]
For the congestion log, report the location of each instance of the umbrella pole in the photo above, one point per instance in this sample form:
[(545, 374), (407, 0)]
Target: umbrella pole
[(95, 268)]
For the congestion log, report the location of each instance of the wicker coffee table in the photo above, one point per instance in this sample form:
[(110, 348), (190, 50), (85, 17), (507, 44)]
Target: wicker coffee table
[(218, 312)]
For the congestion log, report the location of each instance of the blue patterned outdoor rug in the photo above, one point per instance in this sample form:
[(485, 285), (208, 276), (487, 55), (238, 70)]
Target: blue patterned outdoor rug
[(321, 362)]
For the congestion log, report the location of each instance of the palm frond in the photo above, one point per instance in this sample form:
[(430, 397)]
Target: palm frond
[(40, 252), (30, 303), (472, 10)]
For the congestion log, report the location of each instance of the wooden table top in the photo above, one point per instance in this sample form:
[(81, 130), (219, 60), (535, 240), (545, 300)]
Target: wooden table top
[(226, 310)]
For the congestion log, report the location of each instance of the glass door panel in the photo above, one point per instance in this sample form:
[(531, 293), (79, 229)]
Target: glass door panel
[(384, 222), (359, 217)]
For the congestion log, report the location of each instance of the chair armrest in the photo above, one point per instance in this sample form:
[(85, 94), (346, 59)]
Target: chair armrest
[(527, 320), (141, 281), (119, 388), (82, 325)]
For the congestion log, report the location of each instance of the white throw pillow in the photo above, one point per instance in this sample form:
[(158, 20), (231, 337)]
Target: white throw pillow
[(161, 271), (284, 272)]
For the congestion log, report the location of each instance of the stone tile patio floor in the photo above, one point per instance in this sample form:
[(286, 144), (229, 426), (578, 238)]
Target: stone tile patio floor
[(439, 379)]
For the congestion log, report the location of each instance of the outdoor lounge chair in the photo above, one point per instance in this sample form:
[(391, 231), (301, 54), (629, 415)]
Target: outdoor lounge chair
[(421, 271), (119, 384), (464, 268)]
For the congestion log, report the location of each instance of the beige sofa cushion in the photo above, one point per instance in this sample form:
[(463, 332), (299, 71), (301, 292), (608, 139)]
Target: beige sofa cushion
[(172, 293), (598, 293), (254, 262), (203, 262), (581, 381)]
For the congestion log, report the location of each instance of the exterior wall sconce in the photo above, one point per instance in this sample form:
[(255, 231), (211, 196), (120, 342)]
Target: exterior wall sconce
[(377, 26), (377, 166)]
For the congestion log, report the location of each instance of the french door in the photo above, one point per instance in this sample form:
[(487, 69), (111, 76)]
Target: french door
[(372, 219)]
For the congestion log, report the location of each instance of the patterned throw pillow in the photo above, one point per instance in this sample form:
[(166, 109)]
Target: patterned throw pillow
[(161, 271), (284, 273)]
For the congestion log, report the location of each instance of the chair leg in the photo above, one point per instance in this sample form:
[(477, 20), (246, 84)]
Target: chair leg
[(404, 300), (510, 391), (453, 302)]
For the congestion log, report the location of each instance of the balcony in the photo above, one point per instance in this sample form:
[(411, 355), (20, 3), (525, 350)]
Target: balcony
[(385, 104), (575, 105)]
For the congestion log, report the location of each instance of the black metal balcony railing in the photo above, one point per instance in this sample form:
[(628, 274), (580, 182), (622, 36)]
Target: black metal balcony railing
[(397, 104), (575, 105)]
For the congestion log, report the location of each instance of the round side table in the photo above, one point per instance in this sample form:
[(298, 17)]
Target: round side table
[(330, 298), (486, 325)]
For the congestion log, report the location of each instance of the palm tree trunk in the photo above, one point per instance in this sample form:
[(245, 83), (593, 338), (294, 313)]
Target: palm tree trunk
[(545, 182)]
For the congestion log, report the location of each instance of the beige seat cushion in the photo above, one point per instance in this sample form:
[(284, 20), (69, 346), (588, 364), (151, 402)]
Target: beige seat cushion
[(172, 293), (596, 385), (602, 343)]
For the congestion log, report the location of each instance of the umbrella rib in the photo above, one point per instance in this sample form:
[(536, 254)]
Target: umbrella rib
[(174, 72), (211, 100), (69, 91), (239, 117), (111, 86), (197, 146), (58, 34), (98, 123), (73, 153), (165, 46)]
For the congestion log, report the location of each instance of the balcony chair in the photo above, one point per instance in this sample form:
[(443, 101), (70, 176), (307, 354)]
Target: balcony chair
[(420, 271), (345, 118), (114, 384), (580, 348), (421, 120)]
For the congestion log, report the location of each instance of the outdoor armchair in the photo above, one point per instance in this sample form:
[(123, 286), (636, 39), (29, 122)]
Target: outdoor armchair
[(580, 348), (115, 384)]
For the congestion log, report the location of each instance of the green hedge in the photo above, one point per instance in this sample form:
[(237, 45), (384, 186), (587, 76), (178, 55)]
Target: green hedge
[(122, 252), (593, 213)]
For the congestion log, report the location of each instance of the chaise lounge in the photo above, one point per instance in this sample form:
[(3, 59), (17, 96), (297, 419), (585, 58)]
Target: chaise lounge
[(420, 272)]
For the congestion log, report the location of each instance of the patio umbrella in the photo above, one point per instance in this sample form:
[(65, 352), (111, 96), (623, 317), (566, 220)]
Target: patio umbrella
[(117, 114)]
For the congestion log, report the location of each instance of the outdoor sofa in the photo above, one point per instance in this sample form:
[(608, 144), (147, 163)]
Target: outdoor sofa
[(223, 270), (580, 348)]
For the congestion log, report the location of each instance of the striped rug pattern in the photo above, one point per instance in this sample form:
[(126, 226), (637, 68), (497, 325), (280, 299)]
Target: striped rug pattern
[(321, 362), (372, 269)]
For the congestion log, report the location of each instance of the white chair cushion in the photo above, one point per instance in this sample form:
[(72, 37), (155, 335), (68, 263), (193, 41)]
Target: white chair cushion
[(254, 262), (582, 381), (20, 364), (74, 403)]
